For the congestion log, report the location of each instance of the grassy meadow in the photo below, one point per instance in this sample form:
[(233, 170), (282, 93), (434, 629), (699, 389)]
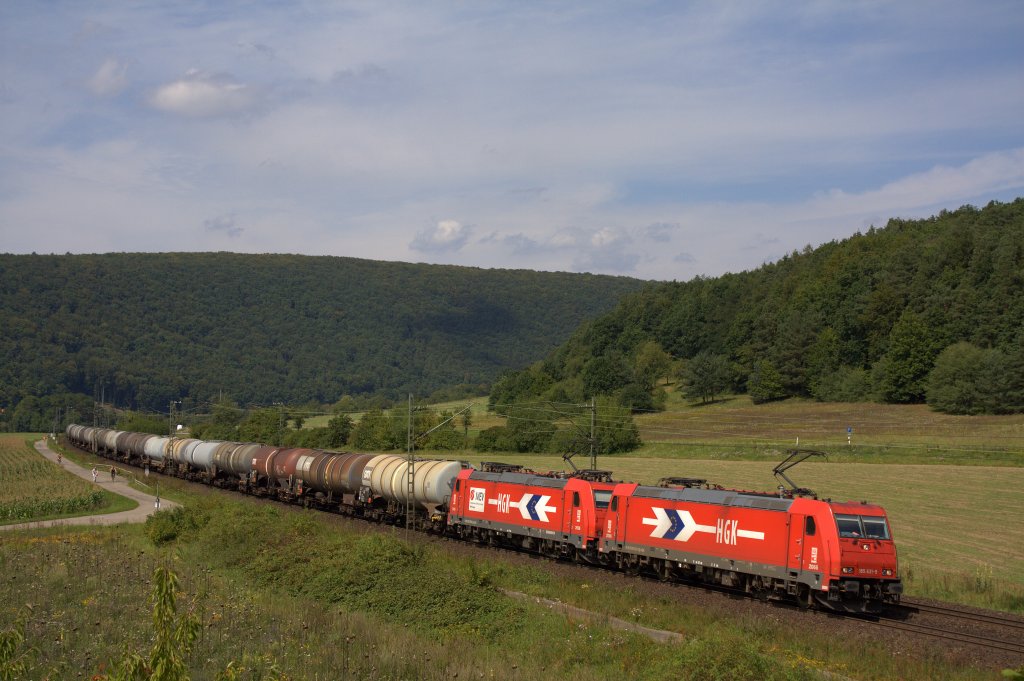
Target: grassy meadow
[(736, 429), (286, 594), (305, 597), (882, 432)]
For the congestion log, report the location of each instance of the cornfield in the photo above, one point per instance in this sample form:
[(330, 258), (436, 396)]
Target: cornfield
[(32, 487)]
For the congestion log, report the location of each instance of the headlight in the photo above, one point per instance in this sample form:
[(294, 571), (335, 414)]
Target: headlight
[(847, 570), (887, 572)]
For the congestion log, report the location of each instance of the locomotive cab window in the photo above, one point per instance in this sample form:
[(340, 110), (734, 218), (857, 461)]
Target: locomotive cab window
[(875, 527), (809, 527), (458, 484), (856, 527), (602, 497), (615, 504), (575, 499)]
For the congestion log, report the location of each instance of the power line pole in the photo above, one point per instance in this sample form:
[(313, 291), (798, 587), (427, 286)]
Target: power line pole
[(593, 433), (410, 478)]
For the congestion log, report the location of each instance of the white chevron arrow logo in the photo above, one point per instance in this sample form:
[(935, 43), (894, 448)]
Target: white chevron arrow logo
[(534, 507), (675, 524)]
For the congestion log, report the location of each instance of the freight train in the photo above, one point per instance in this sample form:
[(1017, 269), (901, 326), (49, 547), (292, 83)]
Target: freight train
[(785, 545)]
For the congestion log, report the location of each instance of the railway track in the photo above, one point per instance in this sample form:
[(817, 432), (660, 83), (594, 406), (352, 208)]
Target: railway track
[(957, 613), (990, 630), (993, 643)]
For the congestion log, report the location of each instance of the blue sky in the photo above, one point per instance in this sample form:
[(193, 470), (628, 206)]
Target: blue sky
[(655, 140)]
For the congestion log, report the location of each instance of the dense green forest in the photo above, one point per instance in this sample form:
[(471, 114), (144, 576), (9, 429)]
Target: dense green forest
[(920, 310), (141, 330)]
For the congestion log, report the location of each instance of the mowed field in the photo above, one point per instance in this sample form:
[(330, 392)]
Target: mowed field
[(686, 428), (33, 488), (736, 420)]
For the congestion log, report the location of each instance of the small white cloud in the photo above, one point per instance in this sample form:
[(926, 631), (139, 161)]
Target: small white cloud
[(448, 236), (225, 224), (684, 258), (608, 251), (201, 94), (110, 79), (660, 231), (520, 244), (604, 238), (563, 240)]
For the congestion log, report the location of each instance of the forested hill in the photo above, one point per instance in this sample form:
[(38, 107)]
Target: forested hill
[(887, 315), (144, 329)]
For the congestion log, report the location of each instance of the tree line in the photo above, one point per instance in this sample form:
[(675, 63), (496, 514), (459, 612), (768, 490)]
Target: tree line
[(138, 331), (918, 311)]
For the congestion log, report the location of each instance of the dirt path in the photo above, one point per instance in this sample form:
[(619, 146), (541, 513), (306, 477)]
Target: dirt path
[(146, 507)]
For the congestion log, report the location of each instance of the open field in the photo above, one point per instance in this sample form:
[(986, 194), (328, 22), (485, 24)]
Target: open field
[(479, 411), (736, 429), (737, 421), (312, 597), (37, 489)]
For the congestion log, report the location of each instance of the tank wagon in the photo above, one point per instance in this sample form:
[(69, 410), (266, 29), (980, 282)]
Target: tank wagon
[(785, 545), (364, 485)]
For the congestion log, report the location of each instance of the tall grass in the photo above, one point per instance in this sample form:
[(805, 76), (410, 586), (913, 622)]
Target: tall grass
[(293, 594)]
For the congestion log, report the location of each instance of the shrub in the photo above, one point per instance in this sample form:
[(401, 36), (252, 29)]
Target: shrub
[(845, 384), (494, 439), (166, 526)]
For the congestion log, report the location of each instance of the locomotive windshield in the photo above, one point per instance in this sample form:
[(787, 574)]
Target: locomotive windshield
[(862, 526), (602, 498)]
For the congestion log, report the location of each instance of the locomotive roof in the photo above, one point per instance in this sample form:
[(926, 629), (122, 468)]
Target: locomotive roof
[(720, 497), (520, 479)]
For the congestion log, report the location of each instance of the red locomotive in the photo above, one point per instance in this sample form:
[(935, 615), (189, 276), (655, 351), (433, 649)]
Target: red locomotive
[(554, 515), (840, 556)]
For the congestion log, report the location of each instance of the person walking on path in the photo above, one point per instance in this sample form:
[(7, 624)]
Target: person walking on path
[(113, 474), (94, 474)]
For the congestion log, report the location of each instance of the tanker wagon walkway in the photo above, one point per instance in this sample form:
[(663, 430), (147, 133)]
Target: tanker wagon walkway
[(139, 514)]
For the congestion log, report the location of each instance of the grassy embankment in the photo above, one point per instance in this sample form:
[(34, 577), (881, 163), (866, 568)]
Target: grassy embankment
[(318, 598), (952, 485), (315, 598), (36, 489)]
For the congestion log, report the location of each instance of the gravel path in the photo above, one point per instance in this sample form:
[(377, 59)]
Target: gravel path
[(146, 507)]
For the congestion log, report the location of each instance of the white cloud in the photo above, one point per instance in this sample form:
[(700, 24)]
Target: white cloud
[(226, 224), (606, 237), (693, 140), (110, 79), (201, 94), (446, 237), (990, 173)]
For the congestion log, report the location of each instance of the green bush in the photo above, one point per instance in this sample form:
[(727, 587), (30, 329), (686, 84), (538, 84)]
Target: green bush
[(495, 439), (845, 384), (166, 526)]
